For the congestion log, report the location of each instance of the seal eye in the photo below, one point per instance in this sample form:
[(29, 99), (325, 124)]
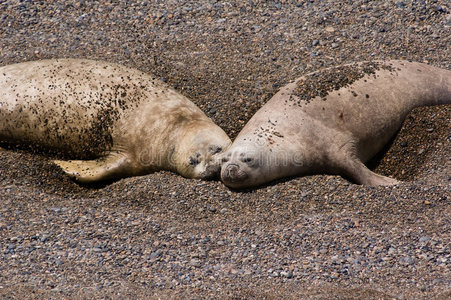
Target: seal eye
[(247, 159)]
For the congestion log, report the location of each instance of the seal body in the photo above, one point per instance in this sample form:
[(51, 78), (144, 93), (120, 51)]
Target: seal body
[(332, 121), (117, 121)]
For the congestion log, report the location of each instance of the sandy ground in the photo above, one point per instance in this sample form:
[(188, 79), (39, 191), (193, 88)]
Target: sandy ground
[(164, 236)]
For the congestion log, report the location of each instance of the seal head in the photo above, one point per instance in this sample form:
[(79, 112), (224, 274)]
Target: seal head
[(252, 164), (199, 152)]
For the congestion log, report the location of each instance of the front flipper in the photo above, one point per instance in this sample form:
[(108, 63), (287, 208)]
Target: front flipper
[(345, 162), (112, 166), (358, 172)]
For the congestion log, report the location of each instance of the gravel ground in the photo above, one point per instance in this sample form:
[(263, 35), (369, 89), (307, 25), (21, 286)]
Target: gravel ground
[(164, 236)]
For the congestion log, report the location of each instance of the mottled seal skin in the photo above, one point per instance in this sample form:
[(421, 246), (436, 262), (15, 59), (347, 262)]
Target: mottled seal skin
[(118, 121), (332, 121)]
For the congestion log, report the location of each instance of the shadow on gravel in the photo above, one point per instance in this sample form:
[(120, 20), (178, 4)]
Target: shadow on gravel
[(404, 157)]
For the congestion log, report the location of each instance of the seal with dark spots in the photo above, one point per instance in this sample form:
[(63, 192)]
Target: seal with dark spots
[(332, 121), (116, 121)]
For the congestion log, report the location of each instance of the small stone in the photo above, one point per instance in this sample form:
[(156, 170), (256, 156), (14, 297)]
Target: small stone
[(424, 239), (440, 9), (427, 202), (247, 272), (56, 210), (195, 262), (314, 54), (286, 274), (406, 260), (442, 260), (330, 29)]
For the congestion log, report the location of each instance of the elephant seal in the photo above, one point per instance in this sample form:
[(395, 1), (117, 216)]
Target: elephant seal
[(332, 121), (118, 121)]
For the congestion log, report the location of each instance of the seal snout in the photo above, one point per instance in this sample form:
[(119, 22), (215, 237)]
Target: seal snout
[(233, 173), (212, 171)]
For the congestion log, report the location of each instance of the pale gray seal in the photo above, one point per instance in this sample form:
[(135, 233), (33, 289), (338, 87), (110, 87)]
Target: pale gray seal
[(332, 121), (120, 121)]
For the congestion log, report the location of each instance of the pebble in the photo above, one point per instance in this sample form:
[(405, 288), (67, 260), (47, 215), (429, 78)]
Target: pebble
[(424, 239), (286, 274), (195, 262), (406, 260)]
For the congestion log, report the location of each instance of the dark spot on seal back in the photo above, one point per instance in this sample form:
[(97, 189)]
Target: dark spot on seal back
[(277, 134), (323, 82)]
